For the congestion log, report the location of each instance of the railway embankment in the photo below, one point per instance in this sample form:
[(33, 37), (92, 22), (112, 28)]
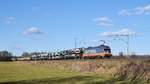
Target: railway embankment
[(117, 69)]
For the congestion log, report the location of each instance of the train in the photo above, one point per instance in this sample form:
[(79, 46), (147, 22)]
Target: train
[(101, 51)]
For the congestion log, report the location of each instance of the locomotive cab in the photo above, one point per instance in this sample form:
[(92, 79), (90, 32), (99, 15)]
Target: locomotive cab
[(98, 51), (106, 48), (107, 51)]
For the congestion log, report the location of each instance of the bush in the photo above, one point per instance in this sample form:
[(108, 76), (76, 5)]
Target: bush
[(5, 56), (134, 71)]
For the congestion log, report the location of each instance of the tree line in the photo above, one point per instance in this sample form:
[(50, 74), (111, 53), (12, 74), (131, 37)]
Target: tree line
[(5, 56)]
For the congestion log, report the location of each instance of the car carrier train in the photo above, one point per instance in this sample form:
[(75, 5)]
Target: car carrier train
[(101, 51)]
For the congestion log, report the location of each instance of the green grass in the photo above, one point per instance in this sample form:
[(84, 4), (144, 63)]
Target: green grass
[(25, 73), (30, 73)]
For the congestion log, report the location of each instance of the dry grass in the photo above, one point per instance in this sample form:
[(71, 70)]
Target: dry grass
[(134, 70), (120, 69), (101, 71)]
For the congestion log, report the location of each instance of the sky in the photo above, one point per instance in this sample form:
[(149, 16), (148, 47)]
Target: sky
[(53, 25)]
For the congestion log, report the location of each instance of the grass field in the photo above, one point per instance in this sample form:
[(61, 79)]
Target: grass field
[(19, 72)]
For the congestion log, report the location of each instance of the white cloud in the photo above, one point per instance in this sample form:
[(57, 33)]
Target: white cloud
[(32, 31), (122, 32), (9, 19), (103, 21), (143, 10)]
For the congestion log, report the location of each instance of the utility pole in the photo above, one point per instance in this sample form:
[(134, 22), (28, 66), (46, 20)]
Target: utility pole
[(35, 54), (122, 33), (128, 45), (75, 43), (75, 46), (127, 42)]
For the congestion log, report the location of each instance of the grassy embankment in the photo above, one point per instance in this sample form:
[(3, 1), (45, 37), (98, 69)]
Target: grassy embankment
[(74, 72)]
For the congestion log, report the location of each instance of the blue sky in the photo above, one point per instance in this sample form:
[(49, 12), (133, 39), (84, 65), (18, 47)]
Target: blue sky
[(51, 25)]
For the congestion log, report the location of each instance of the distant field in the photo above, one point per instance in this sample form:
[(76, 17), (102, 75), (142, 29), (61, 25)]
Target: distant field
[(61, 72)]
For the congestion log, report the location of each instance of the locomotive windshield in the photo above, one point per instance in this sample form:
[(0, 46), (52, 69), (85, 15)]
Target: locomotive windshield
[(106, 49)]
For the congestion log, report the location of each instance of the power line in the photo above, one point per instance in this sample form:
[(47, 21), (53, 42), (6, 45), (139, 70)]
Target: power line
[(127, 41)]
